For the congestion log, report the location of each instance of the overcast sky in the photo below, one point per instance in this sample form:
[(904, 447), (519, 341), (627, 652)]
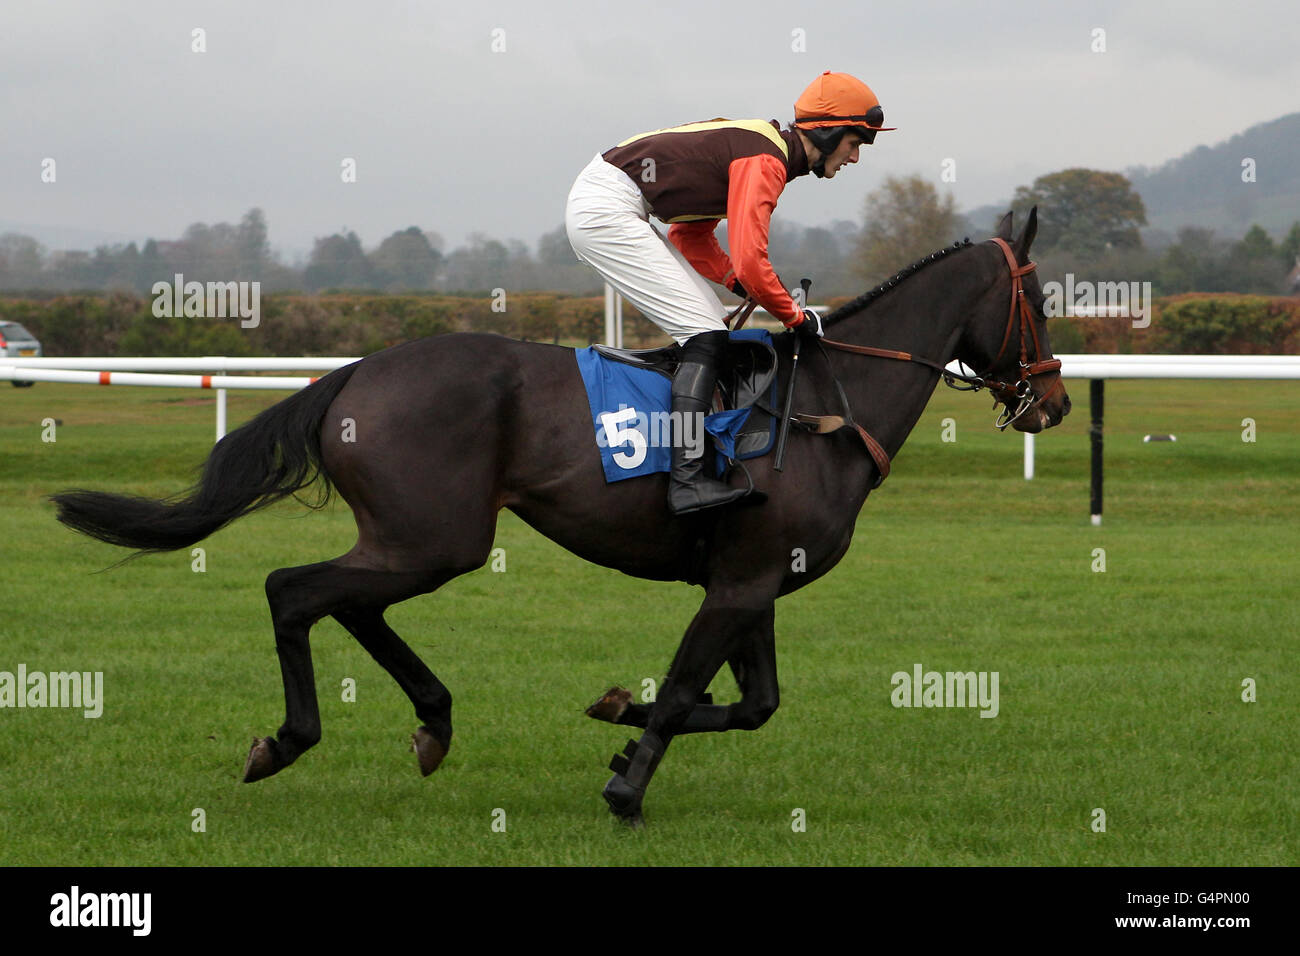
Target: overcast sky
[(451, 136)]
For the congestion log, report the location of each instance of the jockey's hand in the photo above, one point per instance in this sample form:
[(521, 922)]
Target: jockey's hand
[(735, 286), (811, 326)]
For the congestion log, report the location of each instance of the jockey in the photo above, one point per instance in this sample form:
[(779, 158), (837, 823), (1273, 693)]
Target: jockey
[(691, 177)]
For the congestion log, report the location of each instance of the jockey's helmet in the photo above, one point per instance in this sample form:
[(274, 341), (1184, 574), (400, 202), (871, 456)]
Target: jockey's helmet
[(833, 104)]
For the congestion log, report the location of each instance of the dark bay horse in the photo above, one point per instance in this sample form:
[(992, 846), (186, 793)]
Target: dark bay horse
[(429, 440)]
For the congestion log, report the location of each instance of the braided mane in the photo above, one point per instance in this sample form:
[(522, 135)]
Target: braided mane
[(862, 301)]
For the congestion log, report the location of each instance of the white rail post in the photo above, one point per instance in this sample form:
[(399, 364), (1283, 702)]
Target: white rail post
[(1029, 456), (221, 399), (609, 315), (221, 414), (613, 317)]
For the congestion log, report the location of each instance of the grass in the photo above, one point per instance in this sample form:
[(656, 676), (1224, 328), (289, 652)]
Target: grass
[(1119, 690)]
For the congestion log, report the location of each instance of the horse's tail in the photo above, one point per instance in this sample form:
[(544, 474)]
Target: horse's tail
[(264, 460)]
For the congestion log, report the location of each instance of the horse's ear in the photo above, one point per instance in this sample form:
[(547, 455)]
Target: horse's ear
[(1004, 227), (1027, 237)]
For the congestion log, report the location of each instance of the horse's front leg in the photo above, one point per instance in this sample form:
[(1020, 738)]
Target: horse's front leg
[(726, 618), (754, 667)]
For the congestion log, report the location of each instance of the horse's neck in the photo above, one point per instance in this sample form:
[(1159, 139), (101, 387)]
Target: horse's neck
[(887, 396)]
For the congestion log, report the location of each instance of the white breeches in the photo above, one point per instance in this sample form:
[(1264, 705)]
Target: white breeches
[(608, 222)]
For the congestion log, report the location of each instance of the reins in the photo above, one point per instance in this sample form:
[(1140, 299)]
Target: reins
[(1021, 391), (737, 319)]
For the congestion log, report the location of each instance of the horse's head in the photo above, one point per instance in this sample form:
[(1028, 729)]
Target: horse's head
[(1008, 343)]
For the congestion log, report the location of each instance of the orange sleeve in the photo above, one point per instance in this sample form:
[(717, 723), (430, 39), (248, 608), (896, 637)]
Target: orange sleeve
[(755, 183), (700, 247)]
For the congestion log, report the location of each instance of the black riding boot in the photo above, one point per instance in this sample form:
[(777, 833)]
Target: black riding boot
[(691, 488)]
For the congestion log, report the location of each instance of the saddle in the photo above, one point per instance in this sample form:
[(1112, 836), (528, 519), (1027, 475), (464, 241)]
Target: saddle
[(746, 379), (748, 386)]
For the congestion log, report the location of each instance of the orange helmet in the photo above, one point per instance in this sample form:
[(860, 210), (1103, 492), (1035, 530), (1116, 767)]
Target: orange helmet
[(834, 104), (838, 99)]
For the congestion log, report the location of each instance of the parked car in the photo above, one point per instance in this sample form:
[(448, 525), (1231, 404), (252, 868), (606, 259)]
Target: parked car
[(16, 341)]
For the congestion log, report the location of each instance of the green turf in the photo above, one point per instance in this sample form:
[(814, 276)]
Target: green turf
[(1118, 690)]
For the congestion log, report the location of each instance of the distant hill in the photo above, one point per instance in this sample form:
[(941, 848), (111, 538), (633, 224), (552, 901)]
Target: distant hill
[(1203, 187)]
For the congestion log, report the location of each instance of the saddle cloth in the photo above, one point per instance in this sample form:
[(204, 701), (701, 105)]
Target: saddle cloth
[(630, 395)]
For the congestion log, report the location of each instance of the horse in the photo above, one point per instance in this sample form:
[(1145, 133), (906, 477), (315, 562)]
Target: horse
[(447, 431)]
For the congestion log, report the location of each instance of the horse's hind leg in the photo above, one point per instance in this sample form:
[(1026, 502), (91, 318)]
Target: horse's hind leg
[(291, 593), (430, 696), (299, 597), (754, 667)]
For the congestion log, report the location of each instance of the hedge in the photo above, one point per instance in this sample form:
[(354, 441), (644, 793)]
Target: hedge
[(358, 324)]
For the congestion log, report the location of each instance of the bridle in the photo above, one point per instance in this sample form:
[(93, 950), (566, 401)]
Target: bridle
[(1021, 392)]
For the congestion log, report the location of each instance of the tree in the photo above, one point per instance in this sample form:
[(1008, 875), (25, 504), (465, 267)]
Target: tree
[(554, 249), (252, 250), (406, 262), (1190, 264), (23, 258), (151, 267), (1253, 264), (338, 261), (480, 265), (1289, 249), (1083, 211), (819, 246), (906, 220), (1256, 244)]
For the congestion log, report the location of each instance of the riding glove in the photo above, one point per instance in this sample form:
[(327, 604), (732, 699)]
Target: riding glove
[(811, 326)]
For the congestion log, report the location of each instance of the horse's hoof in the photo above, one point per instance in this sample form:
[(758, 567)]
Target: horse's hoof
[(611, 705), (428, 749), (624, 801), (261, 759)]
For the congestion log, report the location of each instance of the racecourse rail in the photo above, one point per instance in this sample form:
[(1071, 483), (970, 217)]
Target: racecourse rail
[(212, 369)]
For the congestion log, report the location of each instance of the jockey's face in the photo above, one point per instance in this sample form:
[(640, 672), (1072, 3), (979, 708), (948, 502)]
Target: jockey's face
[(845, 152)]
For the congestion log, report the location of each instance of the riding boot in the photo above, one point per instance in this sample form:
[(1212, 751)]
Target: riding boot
[(690, 488)]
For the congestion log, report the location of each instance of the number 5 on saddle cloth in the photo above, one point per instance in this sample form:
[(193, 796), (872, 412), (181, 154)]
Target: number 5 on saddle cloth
[(629, 393)]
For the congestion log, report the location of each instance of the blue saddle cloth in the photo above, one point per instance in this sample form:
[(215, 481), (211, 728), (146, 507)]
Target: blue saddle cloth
[(630, 411)]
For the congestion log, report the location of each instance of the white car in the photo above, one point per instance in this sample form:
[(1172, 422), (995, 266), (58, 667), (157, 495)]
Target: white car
[(15, 342)]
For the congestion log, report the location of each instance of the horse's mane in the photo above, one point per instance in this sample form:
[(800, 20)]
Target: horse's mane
[(862, 301)]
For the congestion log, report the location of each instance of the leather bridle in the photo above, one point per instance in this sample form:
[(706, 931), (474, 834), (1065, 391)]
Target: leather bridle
[(1021, 393)]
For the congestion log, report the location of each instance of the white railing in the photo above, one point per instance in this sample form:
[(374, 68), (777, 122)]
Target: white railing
[(1168, 366), (103, 370), (117, 371), (206, 363)]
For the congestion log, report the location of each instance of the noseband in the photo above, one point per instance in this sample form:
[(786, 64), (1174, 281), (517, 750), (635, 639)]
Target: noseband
[(1021, 392), (1022, 389)]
